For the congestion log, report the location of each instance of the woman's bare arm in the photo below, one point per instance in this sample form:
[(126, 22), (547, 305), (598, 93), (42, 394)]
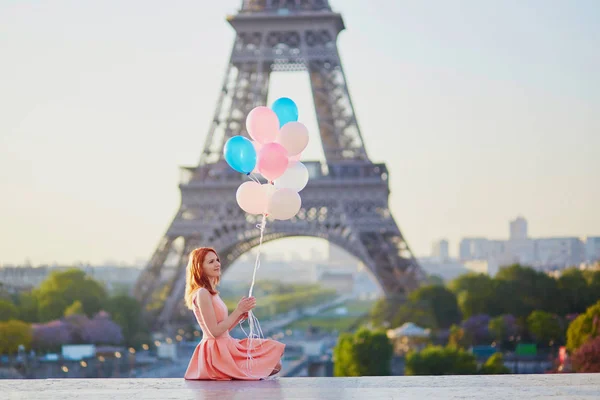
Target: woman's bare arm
[(210, 319), (237, 321)]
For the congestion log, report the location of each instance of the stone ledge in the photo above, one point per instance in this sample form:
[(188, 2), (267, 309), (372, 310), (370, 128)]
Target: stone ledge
[(581, 386)]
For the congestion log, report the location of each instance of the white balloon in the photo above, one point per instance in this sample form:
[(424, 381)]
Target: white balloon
[(294, 137), (284, 204), (252, 198), (295, 177)]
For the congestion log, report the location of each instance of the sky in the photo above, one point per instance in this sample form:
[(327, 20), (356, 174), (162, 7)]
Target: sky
[(482, 110)]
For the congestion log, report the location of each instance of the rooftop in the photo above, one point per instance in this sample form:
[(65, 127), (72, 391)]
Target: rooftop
[(581, 386)]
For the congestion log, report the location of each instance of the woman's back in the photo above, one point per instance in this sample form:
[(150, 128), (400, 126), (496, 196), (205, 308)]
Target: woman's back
[(220, 313)]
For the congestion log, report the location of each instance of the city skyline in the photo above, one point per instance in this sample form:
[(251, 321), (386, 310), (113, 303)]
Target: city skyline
[(102, 102)]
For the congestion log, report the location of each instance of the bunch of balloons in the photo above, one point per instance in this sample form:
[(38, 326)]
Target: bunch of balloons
[(278, 140)]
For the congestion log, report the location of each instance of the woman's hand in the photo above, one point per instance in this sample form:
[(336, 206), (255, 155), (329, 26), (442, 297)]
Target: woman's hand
[(244, 317), (246, 304)]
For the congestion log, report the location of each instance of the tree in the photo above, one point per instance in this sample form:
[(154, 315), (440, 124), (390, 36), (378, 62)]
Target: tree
[(475, 294), (366, 353), (586, 359), (584, 327), (494, 365), (51, 335), (51, 305), (385, 309), (476, 329), (545, 327), (435, 280), (27, 304), (437, 360), (593, 280), (418, 313), (127, 312), (526, 290), (342, 355), (61, 289), (13, 334), (7, 310), (74, 309), (503, 327), (102, 330), (441, 302), (457, 338), (574, 291)]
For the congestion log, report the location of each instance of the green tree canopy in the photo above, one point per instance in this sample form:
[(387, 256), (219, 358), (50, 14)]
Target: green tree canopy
[(503, 327), (437, 360), (74, 309), (545, 327), (366, 353), (435, 280), (12, 334), (584, 327), (441, 302), (475, 294), (421, 314), (385, 309), (575, 292), (342, 355), (528, 290), (494, 365), (27, 304), (7, 310), (458, 339), (127, 312), (61, 289), (593, 280)]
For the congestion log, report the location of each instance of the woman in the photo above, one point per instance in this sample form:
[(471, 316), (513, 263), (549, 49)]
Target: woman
[(219, 356)]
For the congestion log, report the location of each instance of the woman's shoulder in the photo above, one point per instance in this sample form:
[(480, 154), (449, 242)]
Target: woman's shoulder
[(203, 292)]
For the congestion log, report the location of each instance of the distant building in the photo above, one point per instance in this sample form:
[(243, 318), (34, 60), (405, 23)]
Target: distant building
[(559, 252), (488, 267), (518, 229), (447, 270), (26, 278), (23, 278), (592, 248), (440, 250), (541, 253), (482, 249)]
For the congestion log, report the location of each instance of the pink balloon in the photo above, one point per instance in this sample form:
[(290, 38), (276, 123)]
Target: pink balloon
[(262, 124), (257, 147), (253, 198), (272, 161)]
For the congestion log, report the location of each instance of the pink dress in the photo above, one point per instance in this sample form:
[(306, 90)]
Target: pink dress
[(226, 358)]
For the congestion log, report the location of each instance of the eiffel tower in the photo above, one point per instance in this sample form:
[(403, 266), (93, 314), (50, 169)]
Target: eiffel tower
[(346, 200)]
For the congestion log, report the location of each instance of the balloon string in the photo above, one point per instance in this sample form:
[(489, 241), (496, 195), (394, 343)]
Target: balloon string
[(255, 329), (261, 227)]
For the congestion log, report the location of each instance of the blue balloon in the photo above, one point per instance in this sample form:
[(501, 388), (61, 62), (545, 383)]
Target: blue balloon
[(240, 154), (286, 110)]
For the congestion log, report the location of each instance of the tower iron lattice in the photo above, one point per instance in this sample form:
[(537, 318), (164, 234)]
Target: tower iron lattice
[(346, 200)]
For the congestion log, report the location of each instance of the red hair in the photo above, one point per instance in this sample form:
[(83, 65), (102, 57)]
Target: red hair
[(195, 277)]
